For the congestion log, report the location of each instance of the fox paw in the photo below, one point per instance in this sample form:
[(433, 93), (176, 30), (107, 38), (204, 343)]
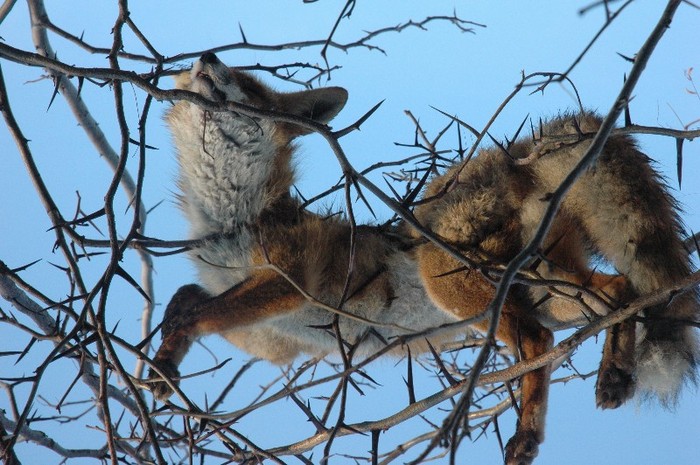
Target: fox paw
[(614, 387), (522, 448), (160, 389)]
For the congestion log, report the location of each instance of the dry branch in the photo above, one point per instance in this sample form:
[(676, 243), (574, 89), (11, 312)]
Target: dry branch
[(134, 430)]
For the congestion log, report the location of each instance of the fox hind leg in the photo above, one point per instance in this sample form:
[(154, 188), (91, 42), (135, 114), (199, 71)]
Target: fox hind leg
[(616, 381), (531, 340), (633, 222), (467, 294)]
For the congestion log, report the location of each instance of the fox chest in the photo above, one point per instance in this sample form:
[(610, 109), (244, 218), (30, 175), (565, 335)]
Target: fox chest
[(224, 170)]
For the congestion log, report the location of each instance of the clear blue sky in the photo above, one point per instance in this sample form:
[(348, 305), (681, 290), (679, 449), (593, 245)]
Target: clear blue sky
[(463, 74)]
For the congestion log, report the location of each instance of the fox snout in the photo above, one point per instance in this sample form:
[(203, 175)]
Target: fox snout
[(212, 79), (209, 58)]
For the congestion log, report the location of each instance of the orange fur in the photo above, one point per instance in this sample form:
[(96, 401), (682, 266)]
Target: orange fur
[(236, 177)]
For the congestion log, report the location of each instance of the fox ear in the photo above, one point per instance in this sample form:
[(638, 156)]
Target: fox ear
[(318, 104)]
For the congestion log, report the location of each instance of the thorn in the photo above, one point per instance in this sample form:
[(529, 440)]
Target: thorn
[(626, 58), (137, 143), (397, 196), (361, 196), (81, 79), (57, 82), (577, 126), (459, 121), (628, 117), (500, 146), (356, 125), (679, 160), (517, 133), (24, 267)]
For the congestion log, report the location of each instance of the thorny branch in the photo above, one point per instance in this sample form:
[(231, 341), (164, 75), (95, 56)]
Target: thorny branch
[(77, 327), (364, 42)]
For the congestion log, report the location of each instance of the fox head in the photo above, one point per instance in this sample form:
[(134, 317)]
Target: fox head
[(215, 81), (233, 166)]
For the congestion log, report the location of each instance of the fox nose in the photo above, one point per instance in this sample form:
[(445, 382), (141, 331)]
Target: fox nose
[(209, 58)]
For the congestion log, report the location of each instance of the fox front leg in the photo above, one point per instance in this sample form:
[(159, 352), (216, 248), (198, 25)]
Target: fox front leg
[(192, 312), (177, 335)]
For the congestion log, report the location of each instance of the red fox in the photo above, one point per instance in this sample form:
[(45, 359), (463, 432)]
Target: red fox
[(235, 178)]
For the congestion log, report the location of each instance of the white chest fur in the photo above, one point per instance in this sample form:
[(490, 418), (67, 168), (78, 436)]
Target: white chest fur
[(225, 162)]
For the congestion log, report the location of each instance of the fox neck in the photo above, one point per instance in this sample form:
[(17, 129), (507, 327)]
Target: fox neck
[(232, 168)]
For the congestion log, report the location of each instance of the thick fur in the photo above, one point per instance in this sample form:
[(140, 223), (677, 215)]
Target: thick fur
[(261, 250), (235, 178), (620, 209)]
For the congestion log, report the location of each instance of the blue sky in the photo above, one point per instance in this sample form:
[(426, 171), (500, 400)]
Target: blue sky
[(460, 73)]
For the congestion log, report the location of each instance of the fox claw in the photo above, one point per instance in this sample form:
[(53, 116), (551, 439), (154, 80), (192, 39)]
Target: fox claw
[(614, 387), (160, 389), (522, 448)]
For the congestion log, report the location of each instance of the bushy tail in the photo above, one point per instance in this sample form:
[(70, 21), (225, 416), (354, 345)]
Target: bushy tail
[(668, 353), (628, 215), (633, 221)]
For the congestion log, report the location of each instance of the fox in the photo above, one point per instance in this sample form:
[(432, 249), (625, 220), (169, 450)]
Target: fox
[(275, 277)]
